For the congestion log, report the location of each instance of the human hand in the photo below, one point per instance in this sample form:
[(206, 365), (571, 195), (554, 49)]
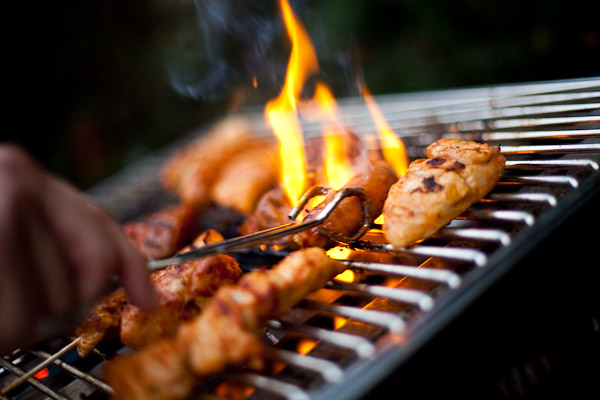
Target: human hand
[(57, 252)]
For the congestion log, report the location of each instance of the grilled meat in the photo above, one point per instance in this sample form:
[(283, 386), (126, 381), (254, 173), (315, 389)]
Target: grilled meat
[(192, 172), (347, 218), (245, 178), (434, 191), (103, 321), (183, 290), (225, 334), (272, 210), (161, 234)]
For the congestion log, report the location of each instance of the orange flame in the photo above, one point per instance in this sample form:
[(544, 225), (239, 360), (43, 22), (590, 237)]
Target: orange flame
[(338, 168), (281, 111), (392, 147)]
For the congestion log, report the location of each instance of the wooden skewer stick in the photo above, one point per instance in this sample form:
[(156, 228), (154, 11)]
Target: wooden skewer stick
[(17, 382)]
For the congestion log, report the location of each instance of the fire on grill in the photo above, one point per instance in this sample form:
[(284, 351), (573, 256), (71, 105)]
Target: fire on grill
[(347, 221)]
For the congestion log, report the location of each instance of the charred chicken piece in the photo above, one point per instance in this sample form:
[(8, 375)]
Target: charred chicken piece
[(226, 334), (183, 290), (161, 234), (432, 192), (347, 218), (192, 172)]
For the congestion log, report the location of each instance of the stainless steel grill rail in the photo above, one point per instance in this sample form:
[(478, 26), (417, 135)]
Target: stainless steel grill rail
[(339, 341)]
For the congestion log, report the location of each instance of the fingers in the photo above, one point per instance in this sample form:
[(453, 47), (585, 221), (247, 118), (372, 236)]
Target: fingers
[(15, 308), (57, 249), (133, 273), (29, 288), (96, 246)]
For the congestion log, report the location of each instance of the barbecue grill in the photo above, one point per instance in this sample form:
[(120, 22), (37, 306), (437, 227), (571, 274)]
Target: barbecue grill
[(500, 303)]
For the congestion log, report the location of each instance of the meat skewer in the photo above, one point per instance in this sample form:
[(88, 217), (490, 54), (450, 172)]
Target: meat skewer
[(434, 191), (161, 234), (347, 219), (192, 172), (225, 334), (245, 178), (182, 289)]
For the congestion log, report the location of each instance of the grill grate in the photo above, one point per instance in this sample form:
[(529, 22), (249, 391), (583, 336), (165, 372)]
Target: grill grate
[(340, 340)]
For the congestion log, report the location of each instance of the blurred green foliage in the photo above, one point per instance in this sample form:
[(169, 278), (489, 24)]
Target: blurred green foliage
[(98, 76)]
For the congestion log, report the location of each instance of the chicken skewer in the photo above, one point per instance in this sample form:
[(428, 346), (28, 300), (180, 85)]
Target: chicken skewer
[(227, 332), (183, 290), (192, 172)]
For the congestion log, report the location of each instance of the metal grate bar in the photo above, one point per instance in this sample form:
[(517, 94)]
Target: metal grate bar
[(431, 274), (329, 370), (501, 215), (380, 318), (558, 163), (415, 297), (552, 149), (475, 256), (540, 180), (476, 234), (524, 198), (361, 346), (528, 135)]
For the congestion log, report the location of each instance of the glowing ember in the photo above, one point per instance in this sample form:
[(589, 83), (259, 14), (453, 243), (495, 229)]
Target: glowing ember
[(338, 322), (281, 111), (342, 253), (233, 390), (339, 253), (392, 147), (42, 374), (305, 346), (347, 276)]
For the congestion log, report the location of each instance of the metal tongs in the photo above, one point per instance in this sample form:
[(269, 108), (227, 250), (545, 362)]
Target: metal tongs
[(242, 242)]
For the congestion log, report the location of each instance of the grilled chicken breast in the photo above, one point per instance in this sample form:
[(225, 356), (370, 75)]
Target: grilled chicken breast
[(432, 192)]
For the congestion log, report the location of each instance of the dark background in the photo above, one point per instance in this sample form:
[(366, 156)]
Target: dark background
[(101, 83)]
